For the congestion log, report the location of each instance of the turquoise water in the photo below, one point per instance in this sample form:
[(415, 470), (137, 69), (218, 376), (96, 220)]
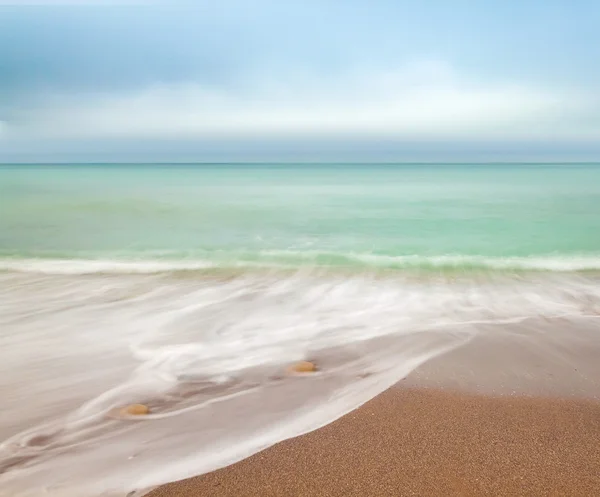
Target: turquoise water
[(543, 216), (96, 314)]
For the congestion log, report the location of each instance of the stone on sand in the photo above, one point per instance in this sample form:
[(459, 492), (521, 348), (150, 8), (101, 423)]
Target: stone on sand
[(135, 410), (302, 367)]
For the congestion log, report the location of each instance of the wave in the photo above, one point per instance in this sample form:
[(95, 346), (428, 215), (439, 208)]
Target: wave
[(209, 356), (455, 261), (289, 259)]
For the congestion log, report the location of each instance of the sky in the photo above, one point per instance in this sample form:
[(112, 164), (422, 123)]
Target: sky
[(248, 80)]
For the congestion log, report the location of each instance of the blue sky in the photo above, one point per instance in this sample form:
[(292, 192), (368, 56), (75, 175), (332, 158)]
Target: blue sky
[(306, 80)]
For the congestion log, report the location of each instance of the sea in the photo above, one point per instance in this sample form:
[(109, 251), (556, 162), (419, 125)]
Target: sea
[(190, 288)]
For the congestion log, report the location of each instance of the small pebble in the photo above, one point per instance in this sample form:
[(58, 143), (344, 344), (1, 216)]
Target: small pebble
[(302, 367), (135, 410)]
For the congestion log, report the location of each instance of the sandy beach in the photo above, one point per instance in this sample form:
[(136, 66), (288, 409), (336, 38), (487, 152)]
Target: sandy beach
[(427, 442), (457, 426), (299, 248)]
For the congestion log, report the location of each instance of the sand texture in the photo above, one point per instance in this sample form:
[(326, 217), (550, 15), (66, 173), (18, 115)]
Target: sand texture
[(427, 442)]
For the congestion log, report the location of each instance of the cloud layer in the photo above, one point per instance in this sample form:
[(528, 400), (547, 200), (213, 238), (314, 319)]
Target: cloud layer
[(424, 100), (123, 73)]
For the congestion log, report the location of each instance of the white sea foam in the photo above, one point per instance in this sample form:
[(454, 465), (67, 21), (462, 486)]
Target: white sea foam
[(91, 266), (293, 259), (209, 354)]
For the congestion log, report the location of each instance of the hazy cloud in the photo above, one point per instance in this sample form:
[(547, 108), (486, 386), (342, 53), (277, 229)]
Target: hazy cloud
[(270, 71), (419, 100)]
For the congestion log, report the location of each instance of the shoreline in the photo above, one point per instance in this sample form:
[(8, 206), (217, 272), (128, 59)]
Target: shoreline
[(423, 441), (461, 424), (535, 340)]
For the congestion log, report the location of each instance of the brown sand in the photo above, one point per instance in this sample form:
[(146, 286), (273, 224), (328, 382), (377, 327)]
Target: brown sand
[(427, 442), (463, 424)]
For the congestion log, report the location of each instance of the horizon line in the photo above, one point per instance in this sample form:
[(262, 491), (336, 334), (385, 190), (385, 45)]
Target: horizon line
[(273, 162)]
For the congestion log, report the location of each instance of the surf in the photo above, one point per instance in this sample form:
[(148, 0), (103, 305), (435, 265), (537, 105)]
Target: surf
[(302, 260), (209, 356)]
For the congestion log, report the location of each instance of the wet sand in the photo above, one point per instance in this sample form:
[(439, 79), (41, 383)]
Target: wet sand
[(461, 425), (427, 442)]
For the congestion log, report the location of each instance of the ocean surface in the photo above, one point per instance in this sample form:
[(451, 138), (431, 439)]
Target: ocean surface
[(191, 288), (505, 216)]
